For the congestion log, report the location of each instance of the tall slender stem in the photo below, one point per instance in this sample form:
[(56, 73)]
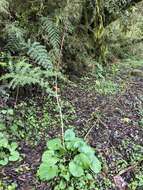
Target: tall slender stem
[(57, 96)]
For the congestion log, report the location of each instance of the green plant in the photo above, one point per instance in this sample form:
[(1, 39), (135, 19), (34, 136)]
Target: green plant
[(20, 70), (39, 54), (106, 87), (74, 160), (15, 37), (98, 70), (8, 151), (22, 73), (51, 32)]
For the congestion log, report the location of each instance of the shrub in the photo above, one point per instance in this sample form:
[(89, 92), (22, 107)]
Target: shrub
[(73, 161)]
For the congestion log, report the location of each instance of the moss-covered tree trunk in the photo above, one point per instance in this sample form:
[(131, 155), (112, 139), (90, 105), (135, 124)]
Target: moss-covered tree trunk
[(96, 15)]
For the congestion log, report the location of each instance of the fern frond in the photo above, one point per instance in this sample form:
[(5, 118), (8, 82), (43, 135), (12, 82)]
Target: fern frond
[(14, 36), (13, 44), (4, 6), (22, 74), (13, 28), (52, 31), (39, 54)]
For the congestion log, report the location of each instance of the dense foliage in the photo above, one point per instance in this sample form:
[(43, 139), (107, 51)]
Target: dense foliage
[(36, 30)]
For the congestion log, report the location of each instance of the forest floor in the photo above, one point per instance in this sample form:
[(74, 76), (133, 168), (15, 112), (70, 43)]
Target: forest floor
[(110, 119)]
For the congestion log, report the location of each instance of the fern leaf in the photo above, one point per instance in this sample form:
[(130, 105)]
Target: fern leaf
[(39, 54), (13, 44), (15, 37), (13, 28), (52, 31), (22, 73)]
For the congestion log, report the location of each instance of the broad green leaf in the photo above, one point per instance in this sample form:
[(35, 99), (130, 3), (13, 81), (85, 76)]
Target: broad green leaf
[(3, 142), (86, 149), (73, 145), (14, 156), (49, 153), (75, 169), (78, 142), (69, 135), (14, 145), (47, 172), (82, 160), (49, 157), (95, 165), (54, 144), (70, 145), (4, 162)]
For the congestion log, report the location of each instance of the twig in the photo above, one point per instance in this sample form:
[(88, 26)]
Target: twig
[(104, 124), (56, 85), (89, 131), (126, 170), (129, 168), (61, 115)]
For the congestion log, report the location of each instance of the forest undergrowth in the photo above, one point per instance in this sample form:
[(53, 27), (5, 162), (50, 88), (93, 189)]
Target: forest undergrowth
[(109, 118)]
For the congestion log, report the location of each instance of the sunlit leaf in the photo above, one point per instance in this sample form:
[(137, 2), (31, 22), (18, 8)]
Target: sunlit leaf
[(47, 172), (69, 135), (54, 144), (75, 169)]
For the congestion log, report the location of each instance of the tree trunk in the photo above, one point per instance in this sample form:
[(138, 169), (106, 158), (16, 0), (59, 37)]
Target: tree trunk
[(97, 14)]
